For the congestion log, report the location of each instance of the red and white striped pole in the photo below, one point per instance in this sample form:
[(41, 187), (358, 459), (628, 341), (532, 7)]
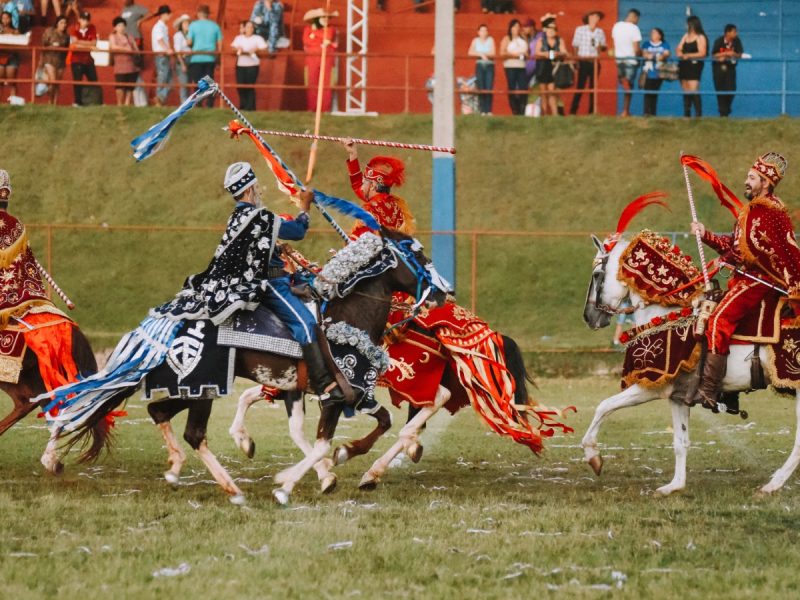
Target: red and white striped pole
[(70, 304), (361, 141)]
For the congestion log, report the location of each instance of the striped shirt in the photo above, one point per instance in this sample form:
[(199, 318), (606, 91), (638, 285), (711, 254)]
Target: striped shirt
[(587, 41)]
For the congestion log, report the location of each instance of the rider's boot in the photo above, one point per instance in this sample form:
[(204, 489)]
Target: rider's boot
[(713, 373), (321, 380)]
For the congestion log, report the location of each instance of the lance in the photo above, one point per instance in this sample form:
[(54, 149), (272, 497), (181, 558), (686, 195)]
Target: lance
[(360, 141), (736, 269), (697, 235), (312, 155), (294, 177), (70, 304)]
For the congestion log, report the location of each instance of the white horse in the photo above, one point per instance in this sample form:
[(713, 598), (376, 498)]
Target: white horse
[(604, 299)]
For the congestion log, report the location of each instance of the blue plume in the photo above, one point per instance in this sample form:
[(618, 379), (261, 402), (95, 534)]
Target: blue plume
[(346, 208)]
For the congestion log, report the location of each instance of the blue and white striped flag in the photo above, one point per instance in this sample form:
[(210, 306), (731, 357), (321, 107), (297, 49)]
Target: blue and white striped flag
[(154, 138)]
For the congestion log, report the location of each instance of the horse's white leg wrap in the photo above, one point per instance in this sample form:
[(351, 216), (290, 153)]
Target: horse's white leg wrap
[(219, 473), (632, 396), (238, 431), (407, 437), (782, 475), (50, 459), (176, 456), (680, 442)]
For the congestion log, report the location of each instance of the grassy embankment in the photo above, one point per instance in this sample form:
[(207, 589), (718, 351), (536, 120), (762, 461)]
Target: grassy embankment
[(514, 175)]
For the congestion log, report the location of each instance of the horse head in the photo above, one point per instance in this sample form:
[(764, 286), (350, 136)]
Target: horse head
[(420, 278), (606, 293)]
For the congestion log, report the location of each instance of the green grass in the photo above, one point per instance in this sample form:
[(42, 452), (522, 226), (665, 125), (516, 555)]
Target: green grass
[(523, 175), (479, 517)]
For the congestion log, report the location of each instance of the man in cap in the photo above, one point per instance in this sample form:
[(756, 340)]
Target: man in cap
[(247, 270), (268, 18), (589, 41), (83, 39), (163, 59), (764, 245), (374, 188)]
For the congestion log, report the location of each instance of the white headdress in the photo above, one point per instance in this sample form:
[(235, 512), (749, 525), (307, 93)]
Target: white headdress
[(239, 177), (5, 180)]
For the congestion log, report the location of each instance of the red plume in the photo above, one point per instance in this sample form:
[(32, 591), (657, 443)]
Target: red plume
[(392, 169), (707, 172), (633, 209)]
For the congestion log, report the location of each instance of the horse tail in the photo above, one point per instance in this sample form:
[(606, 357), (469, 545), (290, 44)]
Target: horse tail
[(97, 433), (82, 353), (516, 366)]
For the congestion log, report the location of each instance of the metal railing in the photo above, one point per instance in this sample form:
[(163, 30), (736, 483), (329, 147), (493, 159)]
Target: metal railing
[(405, 69)]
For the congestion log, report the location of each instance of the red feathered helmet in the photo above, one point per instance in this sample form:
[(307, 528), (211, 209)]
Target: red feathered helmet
[(386, 171)]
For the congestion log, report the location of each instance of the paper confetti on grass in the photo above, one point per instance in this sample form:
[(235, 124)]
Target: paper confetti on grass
[(181, 569)]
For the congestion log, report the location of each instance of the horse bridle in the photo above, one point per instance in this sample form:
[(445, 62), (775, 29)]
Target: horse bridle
[(599, 278)]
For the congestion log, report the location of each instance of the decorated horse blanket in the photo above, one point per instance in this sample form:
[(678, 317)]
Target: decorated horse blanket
[(451, 338)]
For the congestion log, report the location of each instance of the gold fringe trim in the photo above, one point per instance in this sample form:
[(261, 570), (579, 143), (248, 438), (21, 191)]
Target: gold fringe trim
[(19, 311), (7, 255), (409, 222)]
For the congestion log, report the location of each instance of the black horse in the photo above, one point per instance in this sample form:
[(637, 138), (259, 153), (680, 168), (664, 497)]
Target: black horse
[(366, 307)]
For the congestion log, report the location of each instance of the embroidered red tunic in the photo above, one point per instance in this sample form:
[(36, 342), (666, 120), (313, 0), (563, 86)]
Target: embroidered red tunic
[(764, 245), (389, 210), (21, 285)]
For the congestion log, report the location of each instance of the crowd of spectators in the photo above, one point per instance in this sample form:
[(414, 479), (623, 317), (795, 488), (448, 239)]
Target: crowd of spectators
[(540, 65)]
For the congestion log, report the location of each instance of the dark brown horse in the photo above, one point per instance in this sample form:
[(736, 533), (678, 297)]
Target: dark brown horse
[(30, 384), (366, 307)]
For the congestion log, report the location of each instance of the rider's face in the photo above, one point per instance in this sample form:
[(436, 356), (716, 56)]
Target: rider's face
[(754, 185)]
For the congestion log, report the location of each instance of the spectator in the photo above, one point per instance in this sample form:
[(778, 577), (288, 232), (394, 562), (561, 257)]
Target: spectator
[(159, 38), (26, 14), (205, 38), (726, 50), (53, 61), (9, 61), (123, 47), (13, 12), (549, 49), (483, 48), (514, 52), (313, 43), (529, 33), (247, 48), (72, 8), (589, 41), (180, 45), (654, 51), (495, 6), (627, 37), (691, 51), (56, 9), (83, 38), (134, 14), (268, 18)]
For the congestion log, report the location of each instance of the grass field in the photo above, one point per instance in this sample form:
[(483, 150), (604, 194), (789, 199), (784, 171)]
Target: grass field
[(478, 517), (520, 175)]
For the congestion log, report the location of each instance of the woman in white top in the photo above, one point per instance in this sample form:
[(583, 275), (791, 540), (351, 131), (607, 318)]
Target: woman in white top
[(180, 44), (247, 46), (483, 48), (514, 52)]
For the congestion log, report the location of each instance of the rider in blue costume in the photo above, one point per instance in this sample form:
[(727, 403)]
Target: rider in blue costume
[(247, 270)]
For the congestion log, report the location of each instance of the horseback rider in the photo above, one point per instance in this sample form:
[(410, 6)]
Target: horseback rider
[(762, 244), (247, 270), (374, 188)]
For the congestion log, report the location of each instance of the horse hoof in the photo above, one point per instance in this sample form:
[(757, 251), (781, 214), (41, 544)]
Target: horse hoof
[(743, 414), (596, 462), (171, 478), (368, 483), (58, 468), (340, 455), (415, 452), (328, 484), (238, 500), (281, 497), (249, 448)]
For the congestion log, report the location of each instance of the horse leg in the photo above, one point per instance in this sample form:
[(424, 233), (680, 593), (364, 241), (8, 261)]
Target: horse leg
[(21, 409), (288, 478), (162, 412), (782, 475), (195, 436), (680, 442), (296, 411), (238, 431), (358, 447), (632, 396), (50, 459), (407, 440)]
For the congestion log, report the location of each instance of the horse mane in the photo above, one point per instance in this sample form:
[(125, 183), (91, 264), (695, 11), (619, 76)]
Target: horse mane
[(348, 262)]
